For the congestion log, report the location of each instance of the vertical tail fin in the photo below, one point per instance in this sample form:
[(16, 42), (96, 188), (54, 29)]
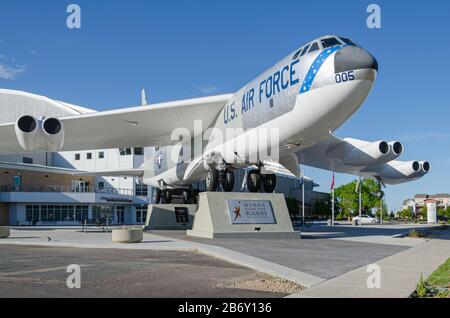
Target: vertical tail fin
[(143, 98)]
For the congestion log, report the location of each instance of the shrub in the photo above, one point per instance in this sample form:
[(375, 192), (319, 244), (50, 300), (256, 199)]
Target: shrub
[(421, 289)]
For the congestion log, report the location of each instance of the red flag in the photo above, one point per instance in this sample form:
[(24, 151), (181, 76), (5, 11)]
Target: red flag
[(332, 183)]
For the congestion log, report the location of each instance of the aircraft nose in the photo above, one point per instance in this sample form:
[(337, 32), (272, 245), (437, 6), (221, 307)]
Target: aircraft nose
[(354, 58)]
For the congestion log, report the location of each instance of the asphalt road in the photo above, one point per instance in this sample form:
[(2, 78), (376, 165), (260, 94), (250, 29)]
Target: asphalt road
[(319, 256), (41, 272)]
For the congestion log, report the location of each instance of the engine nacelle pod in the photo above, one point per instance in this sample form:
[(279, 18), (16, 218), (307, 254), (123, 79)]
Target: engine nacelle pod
[(53, 131), (400, 170), (28, 132), (368, 154)]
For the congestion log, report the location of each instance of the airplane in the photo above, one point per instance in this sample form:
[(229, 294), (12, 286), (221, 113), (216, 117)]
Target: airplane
[(302, 99)]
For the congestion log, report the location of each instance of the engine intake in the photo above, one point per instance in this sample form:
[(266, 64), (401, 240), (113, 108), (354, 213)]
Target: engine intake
[(34, 134)]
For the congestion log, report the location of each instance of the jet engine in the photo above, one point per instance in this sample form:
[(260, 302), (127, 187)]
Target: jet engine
[(34, 134), (53, 130), (400, 170), (368, 154)]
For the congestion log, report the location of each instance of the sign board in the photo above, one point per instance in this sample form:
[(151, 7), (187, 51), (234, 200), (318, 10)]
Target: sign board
[(432, 215), (182, 214), (250, 212)]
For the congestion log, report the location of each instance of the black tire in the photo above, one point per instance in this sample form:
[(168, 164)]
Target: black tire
[(212, 180), (228, 181), (269, 182), (186, 196), (195, 194), (168, 197), (157, 196), (253, 181)]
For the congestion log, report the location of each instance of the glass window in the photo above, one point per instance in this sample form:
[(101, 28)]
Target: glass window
[(141, 190), (296, 55), (125, 151), (77, 156), (101, 155), (29, 215), (50, 213), (305, 50), (89, 156), (58, 213), (348, 41), (27, 160), (36, 213), (139, 151), (64, 213), (141, 213), (101, 185), (44, 213), (314, 47), (330, 42)]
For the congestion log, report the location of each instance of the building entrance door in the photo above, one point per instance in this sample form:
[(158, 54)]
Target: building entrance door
[(120, 213)]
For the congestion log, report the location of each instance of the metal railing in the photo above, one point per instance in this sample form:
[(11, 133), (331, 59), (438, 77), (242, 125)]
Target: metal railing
[(65, 189)]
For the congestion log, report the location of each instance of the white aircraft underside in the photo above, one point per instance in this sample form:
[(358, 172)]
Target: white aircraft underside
[(306, 96)]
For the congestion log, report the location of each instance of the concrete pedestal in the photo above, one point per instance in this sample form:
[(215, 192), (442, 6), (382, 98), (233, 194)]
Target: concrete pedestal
[(170, 216), (242, 215), (4, 232)]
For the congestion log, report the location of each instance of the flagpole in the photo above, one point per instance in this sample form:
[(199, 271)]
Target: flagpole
[(332, 201), (360, 202), (332, 207)]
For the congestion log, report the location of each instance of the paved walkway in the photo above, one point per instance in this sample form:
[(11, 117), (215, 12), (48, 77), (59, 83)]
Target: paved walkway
[(399, 273), (97, 239)]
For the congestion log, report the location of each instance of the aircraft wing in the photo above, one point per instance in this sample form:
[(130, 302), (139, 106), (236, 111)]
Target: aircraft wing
[(376, 160), (150, 125), (49, 169)]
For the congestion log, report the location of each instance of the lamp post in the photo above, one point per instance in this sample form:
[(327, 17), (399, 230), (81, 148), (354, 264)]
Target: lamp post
[(380, 196), (360, 201), (303, 197)]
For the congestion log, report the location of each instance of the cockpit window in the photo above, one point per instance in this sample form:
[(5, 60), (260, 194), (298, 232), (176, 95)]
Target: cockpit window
[(314, 47), (348, 41), (326, 43), (305, 50), (296, 54)]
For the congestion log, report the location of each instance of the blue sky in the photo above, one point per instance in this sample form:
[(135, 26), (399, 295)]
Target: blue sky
[(182, 49)]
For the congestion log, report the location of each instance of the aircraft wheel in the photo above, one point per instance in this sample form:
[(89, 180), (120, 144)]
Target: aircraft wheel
[(195, 194), (228, 181), (269, 182), (157, 196), (168, 197), (253, 181), (186, 196), (212, 180)]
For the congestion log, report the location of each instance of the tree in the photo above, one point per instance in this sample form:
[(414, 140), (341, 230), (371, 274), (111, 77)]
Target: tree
[(322, 209), (405, 214), (347, 198), (293, 208)]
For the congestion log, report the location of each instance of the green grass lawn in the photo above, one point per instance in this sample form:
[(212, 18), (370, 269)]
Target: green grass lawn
[(437, 285), (441, 276)]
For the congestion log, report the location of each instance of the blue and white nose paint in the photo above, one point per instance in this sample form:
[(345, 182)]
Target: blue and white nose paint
[(315, 67)]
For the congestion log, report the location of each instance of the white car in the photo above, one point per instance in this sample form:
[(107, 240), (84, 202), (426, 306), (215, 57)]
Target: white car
[(365, 219)]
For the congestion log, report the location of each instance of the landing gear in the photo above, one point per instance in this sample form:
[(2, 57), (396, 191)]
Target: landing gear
[(157, 195), (227, 180), (212, 179), (186, 196), (166, 197), (253, 181), (269, 182)]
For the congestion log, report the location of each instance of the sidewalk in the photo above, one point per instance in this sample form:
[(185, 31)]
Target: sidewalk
[(400, 273)]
